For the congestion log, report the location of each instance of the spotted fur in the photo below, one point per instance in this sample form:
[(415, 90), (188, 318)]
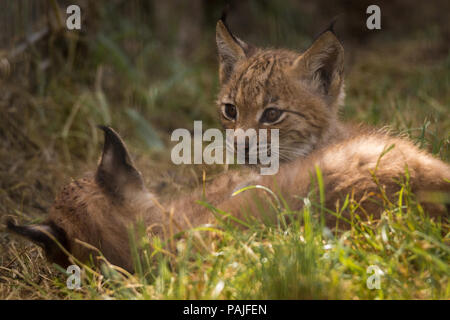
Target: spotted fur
[(366, 164), (308, 87)]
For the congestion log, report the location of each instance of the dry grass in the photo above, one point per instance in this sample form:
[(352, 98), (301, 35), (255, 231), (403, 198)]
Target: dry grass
[(48, 136)]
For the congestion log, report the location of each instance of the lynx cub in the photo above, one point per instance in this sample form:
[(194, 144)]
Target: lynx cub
[(298, 94)]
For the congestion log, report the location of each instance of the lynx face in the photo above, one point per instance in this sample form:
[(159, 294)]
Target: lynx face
[(270, 89)]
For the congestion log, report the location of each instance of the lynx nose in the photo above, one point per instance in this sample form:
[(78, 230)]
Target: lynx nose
[(245, 145), (244, 139)]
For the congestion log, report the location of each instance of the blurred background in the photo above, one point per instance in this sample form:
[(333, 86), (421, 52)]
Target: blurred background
[(149, 67)]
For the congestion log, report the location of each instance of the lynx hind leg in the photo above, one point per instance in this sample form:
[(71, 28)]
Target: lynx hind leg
[(432, 187), (361, 167)]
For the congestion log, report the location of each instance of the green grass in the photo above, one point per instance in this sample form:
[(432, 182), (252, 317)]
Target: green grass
[(49, 136), (301, 260)]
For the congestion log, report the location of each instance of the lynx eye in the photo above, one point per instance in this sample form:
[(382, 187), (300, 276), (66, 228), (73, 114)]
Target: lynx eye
[(230, 111), (271, 115)]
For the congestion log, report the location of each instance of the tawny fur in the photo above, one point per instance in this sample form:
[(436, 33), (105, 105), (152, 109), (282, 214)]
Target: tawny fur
[(86, 213), (352, 160)]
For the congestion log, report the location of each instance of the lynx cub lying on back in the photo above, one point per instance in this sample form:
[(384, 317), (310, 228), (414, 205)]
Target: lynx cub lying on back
[(295, 93)]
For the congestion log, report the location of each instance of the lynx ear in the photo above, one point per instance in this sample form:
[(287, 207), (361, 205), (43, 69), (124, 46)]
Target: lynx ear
[(116, 173), (45, 235), (322, 66), (231, 49)]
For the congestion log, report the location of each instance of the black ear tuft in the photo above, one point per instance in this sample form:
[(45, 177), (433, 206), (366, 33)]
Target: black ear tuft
[(332, 24), (223, 18), (329, 28), (225, 12), (116, 171), (230, 48), (45, 235)]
